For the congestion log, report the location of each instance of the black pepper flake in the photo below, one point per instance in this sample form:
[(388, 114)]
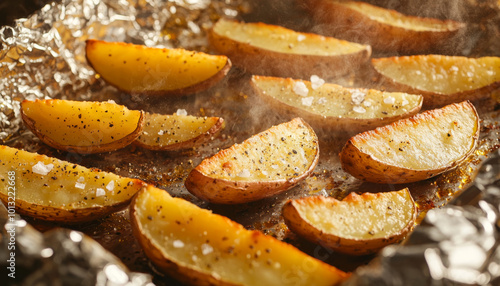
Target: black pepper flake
[(150, 217)]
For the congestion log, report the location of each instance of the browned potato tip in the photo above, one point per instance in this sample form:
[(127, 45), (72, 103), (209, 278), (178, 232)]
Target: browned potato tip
[(357, 225), (414, 149), (264, 165), (138, 69), (53, 190), (272, 50), (177, 131), (198, 247), (440, 79), (82, 126), (333, 106), (384, 29)]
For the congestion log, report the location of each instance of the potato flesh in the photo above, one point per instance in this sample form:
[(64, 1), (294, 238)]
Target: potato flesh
[(366, 216), (394, 18), (282, 152), (282, 40), (78, 123), (429, 140), (163, 130), (442, 74), (66, 185), (214, 245), (331, 100), (137, 68)]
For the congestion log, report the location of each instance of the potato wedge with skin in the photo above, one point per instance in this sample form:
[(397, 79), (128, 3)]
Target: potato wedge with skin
[(201, 248), (357, 225), (175, 132), (384, 29), (138, 69), (82, 126), (414, 149), (54, 190), (440, 79), (334, 106), (272, 50), (264, 165)]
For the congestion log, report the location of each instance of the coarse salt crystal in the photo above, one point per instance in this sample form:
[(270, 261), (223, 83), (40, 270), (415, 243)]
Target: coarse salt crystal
[(389, 100), (454, 68), (470, 74), (265, 173), (359, 109), (357, 96), (194, 258), (274, 166), (405, 102), (110, 186), (367, 103), (316, 81), (307, 101), (206, 249), (301, 37), (300, 88), (99, 192), (322, 100), (244, 173), (181, 112), (111, 101), (79, 185), (41, 169), (178, 243), (161, 132)]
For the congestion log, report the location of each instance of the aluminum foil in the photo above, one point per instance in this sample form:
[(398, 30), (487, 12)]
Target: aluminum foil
[(43, 57)]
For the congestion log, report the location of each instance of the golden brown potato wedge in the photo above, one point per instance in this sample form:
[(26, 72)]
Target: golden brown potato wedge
[(264, 165), (138, 69), (335, 107), (384, 29), (357, 225), (82, 126), (201, 248), (272, 50), (53, 190), (175, 132), (414, 149), (440, 79)]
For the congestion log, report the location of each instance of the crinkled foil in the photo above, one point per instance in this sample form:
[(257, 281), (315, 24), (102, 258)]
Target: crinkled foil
[(43, 57)]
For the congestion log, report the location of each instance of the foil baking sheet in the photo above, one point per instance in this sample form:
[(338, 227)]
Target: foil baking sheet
[(43, 57)]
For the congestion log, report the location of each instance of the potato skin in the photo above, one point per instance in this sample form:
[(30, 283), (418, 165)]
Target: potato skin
[(216, 128), (375, 171), (115, 145), (260, 61), (346, 23), (299, 225)]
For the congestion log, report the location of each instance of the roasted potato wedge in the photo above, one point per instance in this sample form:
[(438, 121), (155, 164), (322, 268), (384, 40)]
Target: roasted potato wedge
[(82, 126), (272, 50), (384, 29), (357, 225), (201, 248), (440, 79), (264, 165), (138, 69), (414, 149), (174, 132), (53, 190), (336, 107)]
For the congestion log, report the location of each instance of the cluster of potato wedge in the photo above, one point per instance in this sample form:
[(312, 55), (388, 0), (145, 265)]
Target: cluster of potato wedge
[(88, 127)]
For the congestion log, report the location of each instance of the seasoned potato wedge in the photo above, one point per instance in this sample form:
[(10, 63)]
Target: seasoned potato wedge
[(357, 225), (201, 248), (415, 148), (53, 190), (138, 69), (440, 79), (272, 50), (384, 29), (334, 106), (264, 165), (82, 126), (174, 132)]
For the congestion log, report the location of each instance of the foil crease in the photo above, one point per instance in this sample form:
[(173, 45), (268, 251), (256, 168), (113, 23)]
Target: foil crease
[(455, 245), (59, 257), (44, 56)]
